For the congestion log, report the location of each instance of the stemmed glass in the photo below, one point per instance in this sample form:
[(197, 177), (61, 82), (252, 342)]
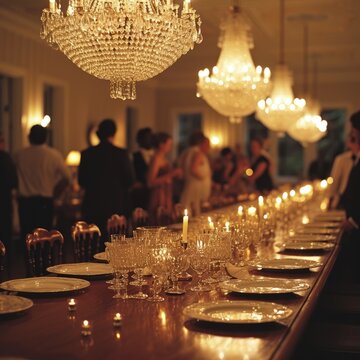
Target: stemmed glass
[(139, 260), (179, 264)]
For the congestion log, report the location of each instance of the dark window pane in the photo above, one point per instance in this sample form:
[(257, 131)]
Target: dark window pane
[(187, 124)]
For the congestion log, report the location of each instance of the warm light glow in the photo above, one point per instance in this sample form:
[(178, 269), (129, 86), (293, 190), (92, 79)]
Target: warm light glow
[(185, 212), (292, 193), (323, 184), (215, 140), (305, 220), (235, 85), (123, 41), (249, 172), (85, 323), (252, 211), (45, 121), (73, 158), (162, 317), (240, 211), (285, 195), (227, 226), (324, 204), (330, 180), (306, 190), (261, 200)]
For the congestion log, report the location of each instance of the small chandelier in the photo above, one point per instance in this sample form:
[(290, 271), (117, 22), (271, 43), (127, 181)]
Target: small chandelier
[(123, 41), (310, 127), (235, 85), (280, 111)]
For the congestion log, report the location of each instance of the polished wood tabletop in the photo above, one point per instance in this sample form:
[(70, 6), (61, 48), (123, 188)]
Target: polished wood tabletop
[(158, 330)]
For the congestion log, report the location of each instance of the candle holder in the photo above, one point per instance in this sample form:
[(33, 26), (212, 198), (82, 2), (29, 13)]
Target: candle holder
[(85, 328), (117, 320), (72, 305)]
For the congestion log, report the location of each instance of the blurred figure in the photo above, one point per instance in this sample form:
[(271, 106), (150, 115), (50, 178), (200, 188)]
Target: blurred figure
[(105, 173), (260, 166), (8, 182), (141, 162), (160, 176), (340, 172), (42, 173), (224, 166), (320, 167), (197, 173), (238, 181)]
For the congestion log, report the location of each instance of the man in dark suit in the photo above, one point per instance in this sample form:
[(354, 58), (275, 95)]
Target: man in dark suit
[(105, 174), (351, 201), (141, 162)]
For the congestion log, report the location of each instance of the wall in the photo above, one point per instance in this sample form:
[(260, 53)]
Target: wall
[(85, 99)]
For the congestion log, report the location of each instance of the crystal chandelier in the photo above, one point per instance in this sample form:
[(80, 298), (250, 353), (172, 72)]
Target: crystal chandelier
[(310, 127), (280, 111), (123, 41), (235, 85)]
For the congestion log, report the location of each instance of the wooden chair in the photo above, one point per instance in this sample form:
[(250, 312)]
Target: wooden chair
[(44, 249), (140, 217), (117, 224), (86, 240), (2, 259)]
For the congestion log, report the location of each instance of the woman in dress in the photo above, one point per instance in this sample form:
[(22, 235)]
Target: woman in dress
[(260, 165), (160, 176), (197, 174)]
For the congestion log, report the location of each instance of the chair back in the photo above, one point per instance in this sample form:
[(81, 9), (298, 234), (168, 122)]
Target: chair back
[(44, 249), (2, 258), (117, 224), (140, 217), (86, 240)]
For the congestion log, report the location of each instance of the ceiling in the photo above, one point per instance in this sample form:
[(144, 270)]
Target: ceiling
[(334, 36)]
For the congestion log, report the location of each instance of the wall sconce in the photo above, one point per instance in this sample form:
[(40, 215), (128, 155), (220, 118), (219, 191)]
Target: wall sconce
[(45, 121), (215, 140), (73, 158)]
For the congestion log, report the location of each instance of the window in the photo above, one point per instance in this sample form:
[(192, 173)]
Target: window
[(187, 124), (291, 157)]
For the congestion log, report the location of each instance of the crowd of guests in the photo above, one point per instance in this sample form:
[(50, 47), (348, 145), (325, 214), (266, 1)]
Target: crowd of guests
[(114, 182)]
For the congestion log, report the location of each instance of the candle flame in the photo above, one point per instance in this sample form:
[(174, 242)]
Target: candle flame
[(185, 212), (85, 323)]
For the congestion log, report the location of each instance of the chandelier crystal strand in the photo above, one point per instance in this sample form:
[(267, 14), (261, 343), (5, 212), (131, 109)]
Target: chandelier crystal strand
[(123, 41), (235, 86), (280, 111), (310, 127)]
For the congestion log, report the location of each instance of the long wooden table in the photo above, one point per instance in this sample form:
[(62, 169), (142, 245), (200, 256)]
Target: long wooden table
[(158, 330)]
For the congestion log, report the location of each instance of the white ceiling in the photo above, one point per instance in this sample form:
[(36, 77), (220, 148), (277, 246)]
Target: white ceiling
[(334, 36)]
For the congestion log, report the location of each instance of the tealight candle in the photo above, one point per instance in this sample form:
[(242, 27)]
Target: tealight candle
[(117, 320), (252, 211), (86, 328), (72, 305)]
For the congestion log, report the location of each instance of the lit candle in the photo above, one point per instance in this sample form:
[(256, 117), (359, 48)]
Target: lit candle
[(72, 305), (52, 5), (261, 206), (117, 320), (278, 202), (252, 211), (211, 224), (86, 328), (285, 196), (186, 5), (292, 193), (240, 211), (227, 226), (185, 226)]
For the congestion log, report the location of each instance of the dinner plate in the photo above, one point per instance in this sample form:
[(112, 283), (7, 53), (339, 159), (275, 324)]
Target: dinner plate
[(237, 312), (317, 230), (311, 237), (256, 285), (12, 304), (45, 284), (308, 245), (101, 256), (325, 224), (81, 269), (286, 264)]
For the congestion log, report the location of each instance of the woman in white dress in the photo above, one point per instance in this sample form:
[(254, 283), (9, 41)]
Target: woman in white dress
[(197, 176)]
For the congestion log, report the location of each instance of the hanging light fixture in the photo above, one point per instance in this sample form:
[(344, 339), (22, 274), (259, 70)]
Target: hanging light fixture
[(310, 127), (235, 86), (123, 41), (279, 111)]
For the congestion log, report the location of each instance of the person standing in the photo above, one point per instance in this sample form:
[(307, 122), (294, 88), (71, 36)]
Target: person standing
[(8, 182), (197, 173), (105, 173), (260, 166), (141, 162), (41, 171)]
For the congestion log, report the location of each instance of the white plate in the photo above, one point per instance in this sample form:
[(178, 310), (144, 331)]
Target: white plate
[(256, 285), (311, 237), (325, 224), (286, 264), (318, 230), (308, 245), (101, 256), (81, 269), (11, 304), (237, 312), (45, 285)]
